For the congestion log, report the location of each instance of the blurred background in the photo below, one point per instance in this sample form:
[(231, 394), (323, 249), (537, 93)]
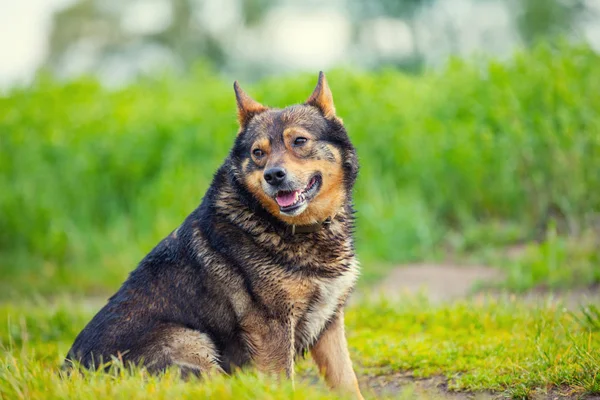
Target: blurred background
[(119, 40), (476, 122)]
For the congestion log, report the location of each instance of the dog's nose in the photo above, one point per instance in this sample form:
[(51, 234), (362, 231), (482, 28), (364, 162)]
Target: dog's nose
[(274, 176)]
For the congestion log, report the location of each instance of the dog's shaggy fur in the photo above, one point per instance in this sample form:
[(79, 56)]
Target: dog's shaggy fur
[(261, 270)]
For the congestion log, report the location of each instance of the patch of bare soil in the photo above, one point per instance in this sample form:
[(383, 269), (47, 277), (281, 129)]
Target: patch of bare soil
[(571, 299), (405, 386), (437, 282), (442, 283)]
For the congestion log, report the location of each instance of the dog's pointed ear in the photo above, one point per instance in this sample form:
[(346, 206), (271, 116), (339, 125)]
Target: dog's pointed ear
[(322, 97), (247, 106)]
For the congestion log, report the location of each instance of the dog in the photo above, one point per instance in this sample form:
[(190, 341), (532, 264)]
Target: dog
[(260, 272)]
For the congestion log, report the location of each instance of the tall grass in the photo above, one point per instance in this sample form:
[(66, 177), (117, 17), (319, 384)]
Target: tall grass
[(91, 179)]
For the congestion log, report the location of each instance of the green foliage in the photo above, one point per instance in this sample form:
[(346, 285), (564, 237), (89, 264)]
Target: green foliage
[(91, 179), (543, 19), (504, 346), (557, 263), (589, 317)]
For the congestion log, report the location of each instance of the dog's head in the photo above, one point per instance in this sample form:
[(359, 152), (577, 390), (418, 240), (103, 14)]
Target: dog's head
[(298, 162)]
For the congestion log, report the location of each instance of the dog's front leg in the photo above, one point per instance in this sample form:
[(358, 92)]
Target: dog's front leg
[(333, 359), (272, 346)]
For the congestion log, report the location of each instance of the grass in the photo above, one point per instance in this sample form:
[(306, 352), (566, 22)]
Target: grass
[(498, 345), (495, 346), (557, 263), (478, 156)]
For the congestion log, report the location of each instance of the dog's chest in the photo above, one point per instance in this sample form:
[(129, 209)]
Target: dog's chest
[(328, 296)]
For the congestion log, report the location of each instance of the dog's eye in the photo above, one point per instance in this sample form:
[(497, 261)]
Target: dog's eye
[(258, 153), (300, 141)]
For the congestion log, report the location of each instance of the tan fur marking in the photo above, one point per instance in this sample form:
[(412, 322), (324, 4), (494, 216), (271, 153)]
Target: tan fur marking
[(293, 132), (264, 145), (254, 185), (245, 164), (326, 203), (270, 343), (333, 359), (298, 292), (330, 198), (192, 349)]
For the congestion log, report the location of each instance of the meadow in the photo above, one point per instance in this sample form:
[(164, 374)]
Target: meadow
[(463, 163)]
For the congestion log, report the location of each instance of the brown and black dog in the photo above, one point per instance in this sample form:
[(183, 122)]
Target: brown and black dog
[(260, 272)]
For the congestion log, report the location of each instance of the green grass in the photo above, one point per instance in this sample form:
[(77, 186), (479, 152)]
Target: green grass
[(502, 346), (499, 346), (557, 263), (477, 156)]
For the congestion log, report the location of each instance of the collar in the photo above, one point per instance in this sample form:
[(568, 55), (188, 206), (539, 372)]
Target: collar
[(294, 229)]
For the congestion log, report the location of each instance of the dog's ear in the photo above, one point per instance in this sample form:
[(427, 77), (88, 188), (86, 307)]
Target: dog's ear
[(322, 97), (247, 106)]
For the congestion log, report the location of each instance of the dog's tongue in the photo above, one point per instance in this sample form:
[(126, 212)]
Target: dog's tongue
[(286, 199)]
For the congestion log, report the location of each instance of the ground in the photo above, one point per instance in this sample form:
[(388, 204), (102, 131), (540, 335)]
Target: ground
[(446, 283), (422, 332), (438, 282)]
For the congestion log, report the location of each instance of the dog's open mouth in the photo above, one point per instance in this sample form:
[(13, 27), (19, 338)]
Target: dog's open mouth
[(294, 200)]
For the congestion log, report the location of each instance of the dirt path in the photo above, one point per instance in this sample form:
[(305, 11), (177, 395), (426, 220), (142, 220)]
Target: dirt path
[(438, 282), (442, 283), (402, 386)]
